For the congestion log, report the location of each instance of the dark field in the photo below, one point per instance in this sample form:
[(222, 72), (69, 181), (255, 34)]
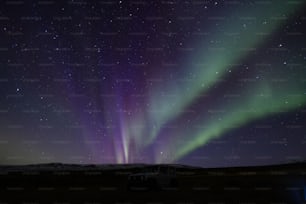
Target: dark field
[(56, 183)]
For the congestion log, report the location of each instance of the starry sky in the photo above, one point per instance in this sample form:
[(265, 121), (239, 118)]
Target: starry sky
[(204, 83)]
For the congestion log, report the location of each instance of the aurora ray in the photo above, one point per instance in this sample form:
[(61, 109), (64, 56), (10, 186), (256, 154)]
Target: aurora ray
[(210, 64), (157, 81), (263, 99)]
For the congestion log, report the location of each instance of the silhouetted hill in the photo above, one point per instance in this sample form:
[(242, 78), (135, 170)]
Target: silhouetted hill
[(296, 166), (57, 182)]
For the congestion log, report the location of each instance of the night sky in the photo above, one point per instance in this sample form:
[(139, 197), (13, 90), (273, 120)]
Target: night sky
[(204, 83)]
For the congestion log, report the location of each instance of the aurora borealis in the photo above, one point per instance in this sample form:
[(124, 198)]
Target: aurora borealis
[(206, 83)]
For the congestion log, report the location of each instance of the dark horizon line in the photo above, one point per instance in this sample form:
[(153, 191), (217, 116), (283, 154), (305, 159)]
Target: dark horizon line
[(148, 164)]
